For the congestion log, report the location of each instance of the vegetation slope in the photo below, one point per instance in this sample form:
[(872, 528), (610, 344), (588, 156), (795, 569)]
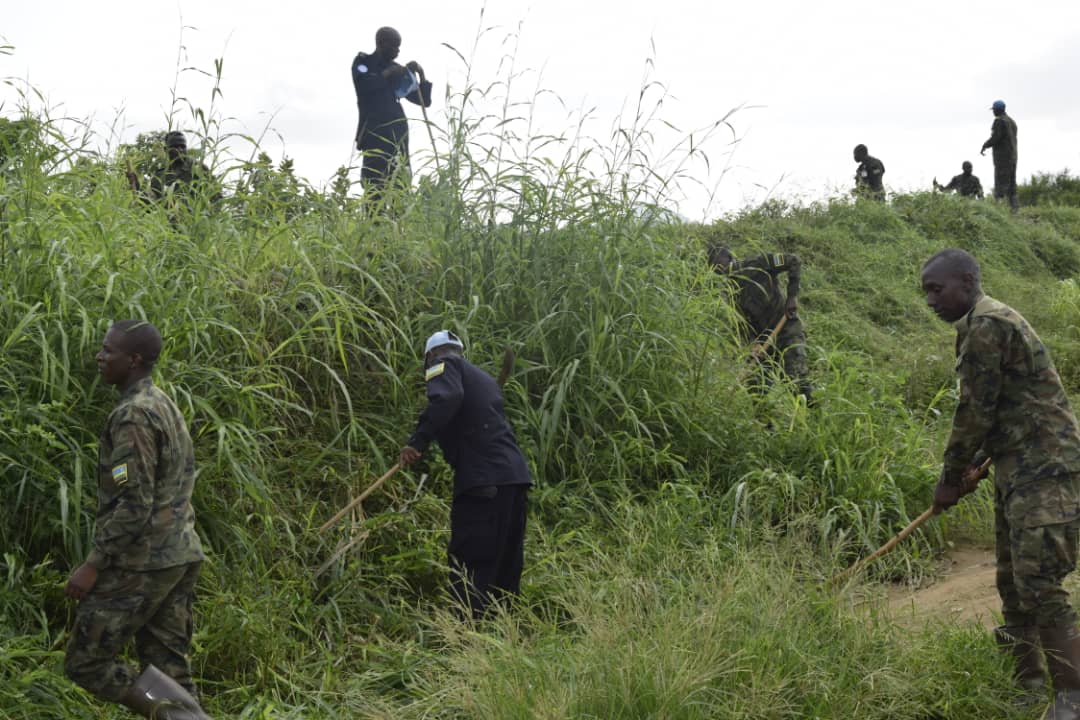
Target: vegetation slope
[(681, 534)]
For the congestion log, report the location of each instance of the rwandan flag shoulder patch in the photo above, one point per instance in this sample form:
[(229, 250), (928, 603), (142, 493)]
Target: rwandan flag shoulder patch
[(434, 371), (120, 474)]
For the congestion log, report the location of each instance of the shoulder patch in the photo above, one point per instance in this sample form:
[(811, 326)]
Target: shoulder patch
[(434, 371), (777, 259), (120, 474)]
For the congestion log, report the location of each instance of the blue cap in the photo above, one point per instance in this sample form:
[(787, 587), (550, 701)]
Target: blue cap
[(443, 337), (998, 105)]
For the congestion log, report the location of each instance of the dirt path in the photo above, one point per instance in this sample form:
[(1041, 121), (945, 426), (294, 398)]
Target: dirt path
[(964, 591)]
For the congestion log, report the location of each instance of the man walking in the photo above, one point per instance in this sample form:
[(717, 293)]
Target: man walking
[(1003, 142), (382, 132), (465, 416), (762, 305), (966, 184), (868, 176), (138, 582), (1013, 409)]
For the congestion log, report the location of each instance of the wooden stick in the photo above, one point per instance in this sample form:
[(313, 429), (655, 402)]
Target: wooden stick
[(900, 536), (342, 549), (507, 367), (979, 474), (760, 348), (363, 496), (431, 135)]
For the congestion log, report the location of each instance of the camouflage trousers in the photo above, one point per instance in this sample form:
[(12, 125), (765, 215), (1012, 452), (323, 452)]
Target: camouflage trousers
[(153, 608), (1005, 183), (1032, 563), (789, 352)]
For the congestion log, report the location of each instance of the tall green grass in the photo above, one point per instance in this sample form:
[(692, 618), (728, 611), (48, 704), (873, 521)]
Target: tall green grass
[(681, 529)]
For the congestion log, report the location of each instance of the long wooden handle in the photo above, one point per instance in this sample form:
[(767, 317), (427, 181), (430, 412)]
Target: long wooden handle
[(427, 123), (363, 496), (900, 536), (980, 473), (507, 367), (762, 346)]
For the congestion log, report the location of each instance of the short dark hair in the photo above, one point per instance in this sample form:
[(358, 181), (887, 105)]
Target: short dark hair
[(386, 34), (957, 261), (860, 149), (140, 337), (175, 138), (719, 251)]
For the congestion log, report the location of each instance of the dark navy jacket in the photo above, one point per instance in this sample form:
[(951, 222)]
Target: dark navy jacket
[(380, 109), (465, 416)]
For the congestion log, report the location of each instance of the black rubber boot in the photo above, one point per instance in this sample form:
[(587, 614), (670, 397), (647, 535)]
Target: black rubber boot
[(1062, 647), (1022, 643), (157, 696)]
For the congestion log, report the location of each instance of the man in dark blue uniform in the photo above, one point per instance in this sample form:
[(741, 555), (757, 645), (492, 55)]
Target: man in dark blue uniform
[(382, 133), (491, 478)]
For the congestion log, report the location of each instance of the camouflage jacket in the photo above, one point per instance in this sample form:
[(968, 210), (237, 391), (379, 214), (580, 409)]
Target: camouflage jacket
[(146, 472), (868, 178), (966, 185), (1013, 408), (757, 288), (1003, 140), (180, 176)]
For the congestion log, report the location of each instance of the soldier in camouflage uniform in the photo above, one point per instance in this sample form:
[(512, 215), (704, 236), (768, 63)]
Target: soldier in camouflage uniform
[(869, 175), (138, 581), (1013, 409), (179, 176), (1003, 142), (965, 183), (761, 304)]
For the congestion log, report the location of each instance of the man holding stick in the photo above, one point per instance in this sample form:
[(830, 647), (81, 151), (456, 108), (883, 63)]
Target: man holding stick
[(1013, 409), (756, 290), (465, 416)]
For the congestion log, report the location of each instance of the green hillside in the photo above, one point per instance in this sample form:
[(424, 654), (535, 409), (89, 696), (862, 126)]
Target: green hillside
[(681, 536)]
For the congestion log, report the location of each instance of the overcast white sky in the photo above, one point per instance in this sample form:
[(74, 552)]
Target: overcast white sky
[(913, 80)]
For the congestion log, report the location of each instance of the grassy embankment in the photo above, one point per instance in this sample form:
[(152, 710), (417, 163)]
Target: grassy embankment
[(678, 548)]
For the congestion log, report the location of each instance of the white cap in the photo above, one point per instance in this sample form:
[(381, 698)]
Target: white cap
[(443, 337)]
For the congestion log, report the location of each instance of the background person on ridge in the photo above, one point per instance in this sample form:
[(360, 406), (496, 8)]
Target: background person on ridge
[(382, 131), (1003, 142), (181, 174), (965, 183), (868, 176)]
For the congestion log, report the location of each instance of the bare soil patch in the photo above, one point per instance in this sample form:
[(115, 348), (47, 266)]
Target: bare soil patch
[(963, 591)]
